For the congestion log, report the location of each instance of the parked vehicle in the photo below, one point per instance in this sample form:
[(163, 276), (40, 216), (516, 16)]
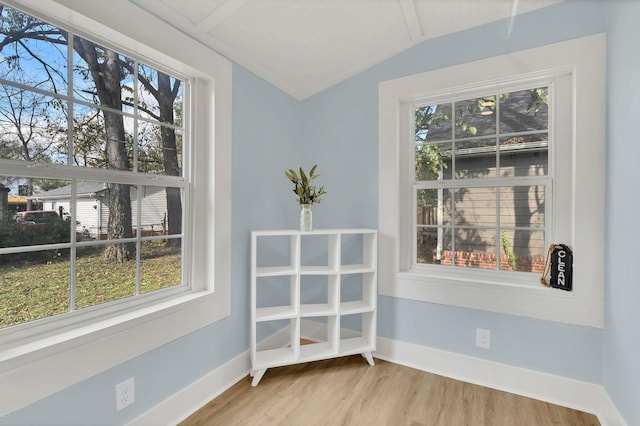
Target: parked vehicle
[(35, 217)]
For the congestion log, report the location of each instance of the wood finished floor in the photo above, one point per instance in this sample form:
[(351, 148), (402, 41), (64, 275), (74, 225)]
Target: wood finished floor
[(347, 391)]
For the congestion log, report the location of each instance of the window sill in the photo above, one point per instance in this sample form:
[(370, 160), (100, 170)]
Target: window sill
[(483, 291), (70, 356)]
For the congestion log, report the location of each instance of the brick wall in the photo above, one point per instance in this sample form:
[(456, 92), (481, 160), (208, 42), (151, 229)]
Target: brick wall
[(488, 261)]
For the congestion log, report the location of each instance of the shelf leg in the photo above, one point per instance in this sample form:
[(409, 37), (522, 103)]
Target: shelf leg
[(369, 358), (257, 375)]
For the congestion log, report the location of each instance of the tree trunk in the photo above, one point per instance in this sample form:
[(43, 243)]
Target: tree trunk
[(119, 225), (107, 74), (166, 97)]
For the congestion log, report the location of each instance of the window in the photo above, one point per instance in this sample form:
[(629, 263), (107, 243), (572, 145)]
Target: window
[(98, 140), (481, 167), (481, 179), (70, 346)]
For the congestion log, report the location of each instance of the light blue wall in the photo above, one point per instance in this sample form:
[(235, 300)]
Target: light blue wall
[(158, 374), (267, 129), (338, 130), (621, 369), (341, 135)]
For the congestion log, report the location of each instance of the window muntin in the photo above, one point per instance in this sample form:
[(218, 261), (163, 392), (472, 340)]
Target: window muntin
[(481, 180), (126, 123)]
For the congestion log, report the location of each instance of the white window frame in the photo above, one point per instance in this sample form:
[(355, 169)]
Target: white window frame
[(574, 70), (68, 350), (409, 186)]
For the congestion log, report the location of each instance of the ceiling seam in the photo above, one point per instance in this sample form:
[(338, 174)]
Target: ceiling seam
[(221, 13), (410, 15)]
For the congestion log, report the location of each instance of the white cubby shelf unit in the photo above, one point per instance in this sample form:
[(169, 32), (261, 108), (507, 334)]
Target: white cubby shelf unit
[(313, 296)]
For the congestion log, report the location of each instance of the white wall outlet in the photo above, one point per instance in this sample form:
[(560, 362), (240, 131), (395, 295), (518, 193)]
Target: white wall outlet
[(125, 394), (483, 338)]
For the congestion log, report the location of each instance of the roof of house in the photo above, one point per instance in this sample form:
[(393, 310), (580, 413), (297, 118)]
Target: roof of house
[(515, 114), (83, 189)]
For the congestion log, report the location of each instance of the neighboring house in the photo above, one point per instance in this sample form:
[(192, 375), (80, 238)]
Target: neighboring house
[(522, 151), (92, 200)]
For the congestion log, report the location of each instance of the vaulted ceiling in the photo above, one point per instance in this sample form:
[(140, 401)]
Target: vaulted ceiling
[(305, 46)]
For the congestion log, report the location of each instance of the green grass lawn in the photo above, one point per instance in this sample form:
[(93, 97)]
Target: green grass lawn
[(32, 290)]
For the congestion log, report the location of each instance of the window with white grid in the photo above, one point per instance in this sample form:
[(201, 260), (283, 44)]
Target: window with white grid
[(481, 180), (482, 166), (92, 160), (79, 274)]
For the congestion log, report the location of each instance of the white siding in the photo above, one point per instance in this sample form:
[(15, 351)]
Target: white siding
[(95, 220), (87, 215), (153, 209)]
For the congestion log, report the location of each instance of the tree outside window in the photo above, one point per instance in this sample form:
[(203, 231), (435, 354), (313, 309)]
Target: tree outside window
[(69, 105)]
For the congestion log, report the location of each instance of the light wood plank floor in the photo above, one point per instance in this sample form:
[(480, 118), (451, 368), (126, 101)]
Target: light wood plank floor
[(347, 391)]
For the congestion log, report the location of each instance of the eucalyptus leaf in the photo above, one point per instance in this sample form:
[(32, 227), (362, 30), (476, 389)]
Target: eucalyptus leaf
[(306, 192)]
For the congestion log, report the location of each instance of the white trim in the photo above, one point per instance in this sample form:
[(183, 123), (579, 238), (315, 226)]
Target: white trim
[(66, 360), (583, 396), (577, 68), (576, 394), (59, 360), (188, 400)]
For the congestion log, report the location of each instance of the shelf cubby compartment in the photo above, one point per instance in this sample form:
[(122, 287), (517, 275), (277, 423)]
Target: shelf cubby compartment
[(357, 293), (319, 253), (275, 297), (358, 252), (278, 342), (274, 254), (318, 337), (318, 295), (357, 333)]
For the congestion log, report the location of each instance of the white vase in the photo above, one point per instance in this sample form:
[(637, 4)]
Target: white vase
[(306, 218)]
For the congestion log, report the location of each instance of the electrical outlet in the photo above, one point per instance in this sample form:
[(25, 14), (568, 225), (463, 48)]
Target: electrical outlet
[(125, 394), (483, 338)]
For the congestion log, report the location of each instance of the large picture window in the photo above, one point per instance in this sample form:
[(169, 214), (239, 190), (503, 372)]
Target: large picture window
[(95, 186), (96, 110)]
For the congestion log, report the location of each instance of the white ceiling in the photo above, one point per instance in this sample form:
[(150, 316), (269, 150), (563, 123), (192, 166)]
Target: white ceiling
[(305, 46)]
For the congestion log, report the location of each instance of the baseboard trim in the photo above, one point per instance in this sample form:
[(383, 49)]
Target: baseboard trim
[(608, 413), (187, 401), (576, 394)]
